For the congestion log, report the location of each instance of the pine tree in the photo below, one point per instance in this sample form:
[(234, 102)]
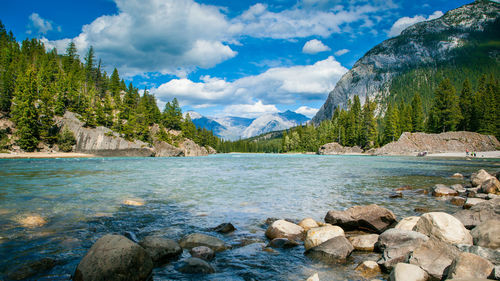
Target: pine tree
[(391, 126), (445, 110), (172, 115), (466, 103), (417, 114), (369, 125)]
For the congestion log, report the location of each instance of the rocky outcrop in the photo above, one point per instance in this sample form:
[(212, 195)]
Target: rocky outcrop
[(335, 148), (163, 149), (413, 143), (371, 218), (190, 148), (102, 141)]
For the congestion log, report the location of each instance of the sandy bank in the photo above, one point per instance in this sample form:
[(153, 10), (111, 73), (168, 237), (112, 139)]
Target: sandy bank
[(26, 155), (481, 154)]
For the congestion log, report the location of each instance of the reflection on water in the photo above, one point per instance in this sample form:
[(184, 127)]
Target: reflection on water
[(79, 200)]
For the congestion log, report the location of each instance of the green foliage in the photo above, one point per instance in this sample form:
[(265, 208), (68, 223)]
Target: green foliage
[(417, 114), (172, 115), (445, 113), (66, 140)]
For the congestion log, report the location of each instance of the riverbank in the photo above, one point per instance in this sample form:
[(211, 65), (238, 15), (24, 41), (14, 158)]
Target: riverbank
[(38, 155), (480, 154)]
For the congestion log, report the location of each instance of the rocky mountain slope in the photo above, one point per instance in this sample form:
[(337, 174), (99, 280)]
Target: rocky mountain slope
[(464, 37)]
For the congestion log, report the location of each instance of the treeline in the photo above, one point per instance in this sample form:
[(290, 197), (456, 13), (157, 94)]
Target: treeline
[(36, 85), (251, 146), (470, 109)]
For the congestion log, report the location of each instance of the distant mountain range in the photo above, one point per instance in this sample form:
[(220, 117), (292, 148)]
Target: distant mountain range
[(234, 128)]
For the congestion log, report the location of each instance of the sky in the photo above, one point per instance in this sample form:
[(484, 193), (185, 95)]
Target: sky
[(223, 58)]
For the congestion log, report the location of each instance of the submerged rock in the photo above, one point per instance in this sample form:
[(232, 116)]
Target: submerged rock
[(468, 265), (487, 234), (195, 266), (32, 221), (336, 249), (161, 249), (202, 252), (32, 269), (444, 227), (318, 235), (285, 229), (372, 218), (408, 272), (282, 243), (114, 257), (224, 228), (198, 239)]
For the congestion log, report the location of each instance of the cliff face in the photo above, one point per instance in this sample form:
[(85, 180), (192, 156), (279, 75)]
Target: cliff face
[(412, 143), (425, 44)]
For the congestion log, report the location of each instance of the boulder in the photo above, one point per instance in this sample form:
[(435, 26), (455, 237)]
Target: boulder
[(458, 201), (459, 188), (372, 218), (314, 277), (161, 249), (407, 223), (368, 269), (191, 148), (364, 242), (457, 176), (444, 227), (202, 252), (440, 190), (114, 257), (336, 249), (285, 229), (211, 150), (472, 201), (318, 235), (433, 256), (492, 255), (496, 272), (487, 234), (478, 213), (308, 223), (197, 239), (282, 243), (491, 185), (195, 266), (163, 149), (31, 269), (408, 272), (396, 244), (224, 228), (479, 177), (468, 265)]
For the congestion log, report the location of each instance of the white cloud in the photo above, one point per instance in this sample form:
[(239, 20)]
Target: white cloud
[(307, 111), (314, 46), (41, 26), (249, 110), (166, 36), (405, 22), (341, 52), (279, 85)]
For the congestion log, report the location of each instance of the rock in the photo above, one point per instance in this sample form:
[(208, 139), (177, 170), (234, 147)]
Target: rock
[(468, 265), (478, 213), (368, 269), (483, 196), (472, 201), (487, 234), (491, 185), (479, 177), (114, 257), (372, 218), (282, 243), (133, 202), (396, 195), (32, 269), (211, 150), (408, 272), (458, 201), (163, 149), (444, 227), (336, 249), (314, 277), (198, 239), (407, 223), (190, 148), (492, 255), (364, 242), (160, 249), (31, 221), (130, 235), (440, 190), (459, 188), (224, 228), (496, 272), (318, 235), (492, 196), (308, 223), (396, 244), (202, 252), (433, 256), (402, 188), (285, 229), (335, 148), (195, 266), (457, 176)]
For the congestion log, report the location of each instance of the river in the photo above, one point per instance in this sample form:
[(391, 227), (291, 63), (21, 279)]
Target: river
[(83, 199)]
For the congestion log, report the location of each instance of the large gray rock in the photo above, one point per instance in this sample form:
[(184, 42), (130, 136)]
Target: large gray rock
[(440, 190), (433, 256), (492, 255), (114, 257), (198, 239), (407, 223), (487, 234), (336, 249), (285, 229), (444, 227), (102, 141), (491, 185), (195, 266), (160, 249), (318, 235), (371, 218), (364, 242), (479, 177), (396, 244), (408, 272), (489, 210), (163, 149), (190, 148), (472, 202), (468, 265)]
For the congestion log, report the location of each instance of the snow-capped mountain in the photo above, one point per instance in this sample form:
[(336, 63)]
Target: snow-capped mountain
[(233, 128)]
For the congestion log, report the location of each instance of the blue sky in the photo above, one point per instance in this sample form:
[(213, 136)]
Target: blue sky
[(220, 58)]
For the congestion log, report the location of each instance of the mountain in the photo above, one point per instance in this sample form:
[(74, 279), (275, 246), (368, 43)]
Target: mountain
[(233, 128), (463, 43)]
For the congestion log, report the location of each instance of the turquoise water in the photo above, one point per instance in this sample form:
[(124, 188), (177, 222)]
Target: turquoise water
[(82, 199)]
